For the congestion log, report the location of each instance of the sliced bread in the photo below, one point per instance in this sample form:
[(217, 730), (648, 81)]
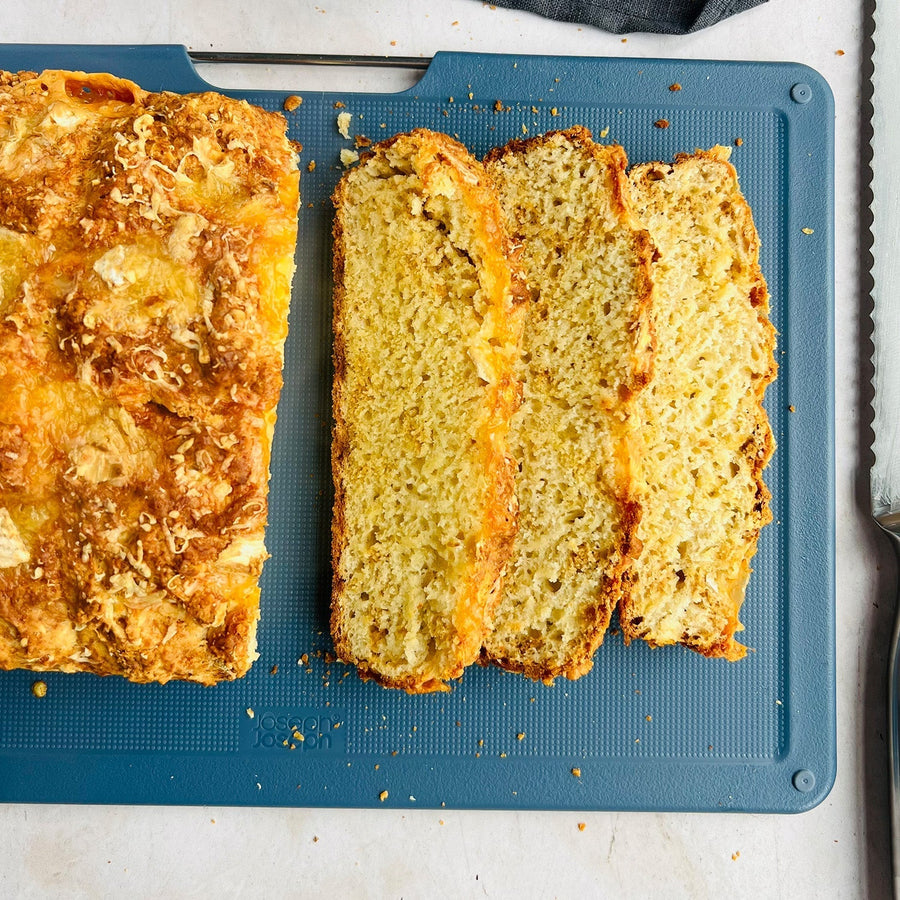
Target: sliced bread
[(428, 311), (587, 352), (706, 435)]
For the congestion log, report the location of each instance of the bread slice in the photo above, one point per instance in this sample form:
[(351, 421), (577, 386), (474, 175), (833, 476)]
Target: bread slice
[(706, 434), (428, 311), (586, 354)]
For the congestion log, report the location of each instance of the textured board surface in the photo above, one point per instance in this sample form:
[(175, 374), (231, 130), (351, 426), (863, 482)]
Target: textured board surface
[(648, 729)]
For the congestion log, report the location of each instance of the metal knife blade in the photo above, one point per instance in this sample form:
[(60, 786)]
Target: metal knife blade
[(885, 475)]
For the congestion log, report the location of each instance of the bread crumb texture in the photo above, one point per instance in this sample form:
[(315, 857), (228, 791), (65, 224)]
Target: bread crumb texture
[(706, 435), (586, 354), (427, 316)]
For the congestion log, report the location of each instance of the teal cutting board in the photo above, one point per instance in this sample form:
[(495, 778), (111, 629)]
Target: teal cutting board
[(647, 729)]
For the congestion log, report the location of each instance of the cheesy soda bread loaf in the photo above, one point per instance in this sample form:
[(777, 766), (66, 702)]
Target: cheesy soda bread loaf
[(427, 318), (146, 255), (706, 434), (587, 353)]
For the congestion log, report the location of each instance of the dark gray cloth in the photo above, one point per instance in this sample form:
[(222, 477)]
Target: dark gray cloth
[(626, 16)]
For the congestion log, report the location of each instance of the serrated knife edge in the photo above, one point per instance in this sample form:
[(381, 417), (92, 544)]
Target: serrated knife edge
[(885, 475)]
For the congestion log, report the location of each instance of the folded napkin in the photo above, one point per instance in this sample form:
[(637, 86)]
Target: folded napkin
[(625, 16)]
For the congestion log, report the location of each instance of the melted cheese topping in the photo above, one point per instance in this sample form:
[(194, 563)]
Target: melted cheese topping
[(146, 255)]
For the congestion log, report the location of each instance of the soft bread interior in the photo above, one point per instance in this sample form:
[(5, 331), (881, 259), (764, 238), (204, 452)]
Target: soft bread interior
[(587, 351), (706, 435), (424, 393)]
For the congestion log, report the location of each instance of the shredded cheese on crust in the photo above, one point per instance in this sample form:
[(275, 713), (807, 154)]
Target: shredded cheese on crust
[(146, 255)]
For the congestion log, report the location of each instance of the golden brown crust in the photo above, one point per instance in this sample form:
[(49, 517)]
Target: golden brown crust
[(437, 158), (146, 252)]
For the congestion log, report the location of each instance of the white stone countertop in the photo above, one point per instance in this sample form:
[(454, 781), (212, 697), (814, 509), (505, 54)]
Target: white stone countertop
[(839, 849)]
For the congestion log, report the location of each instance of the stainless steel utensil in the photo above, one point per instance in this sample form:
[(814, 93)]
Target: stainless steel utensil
[(309, 59), (885, 476)]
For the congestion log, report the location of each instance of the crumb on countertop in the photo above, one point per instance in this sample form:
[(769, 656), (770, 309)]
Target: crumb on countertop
[(675, 86), (576, 772), (383, 796), (250, 712), (39, 688), (661, 123), (348, 157), (291, 103), (582, 826)]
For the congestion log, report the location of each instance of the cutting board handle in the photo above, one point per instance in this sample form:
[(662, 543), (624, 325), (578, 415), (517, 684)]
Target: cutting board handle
[(154, 67)]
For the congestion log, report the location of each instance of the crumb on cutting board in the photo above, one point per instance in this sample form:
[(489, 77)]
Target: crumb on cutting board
[(343, 124)]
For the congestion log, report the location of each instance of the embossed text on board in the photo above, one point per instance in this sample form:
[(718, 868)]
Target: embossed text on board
[(298, 730)]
